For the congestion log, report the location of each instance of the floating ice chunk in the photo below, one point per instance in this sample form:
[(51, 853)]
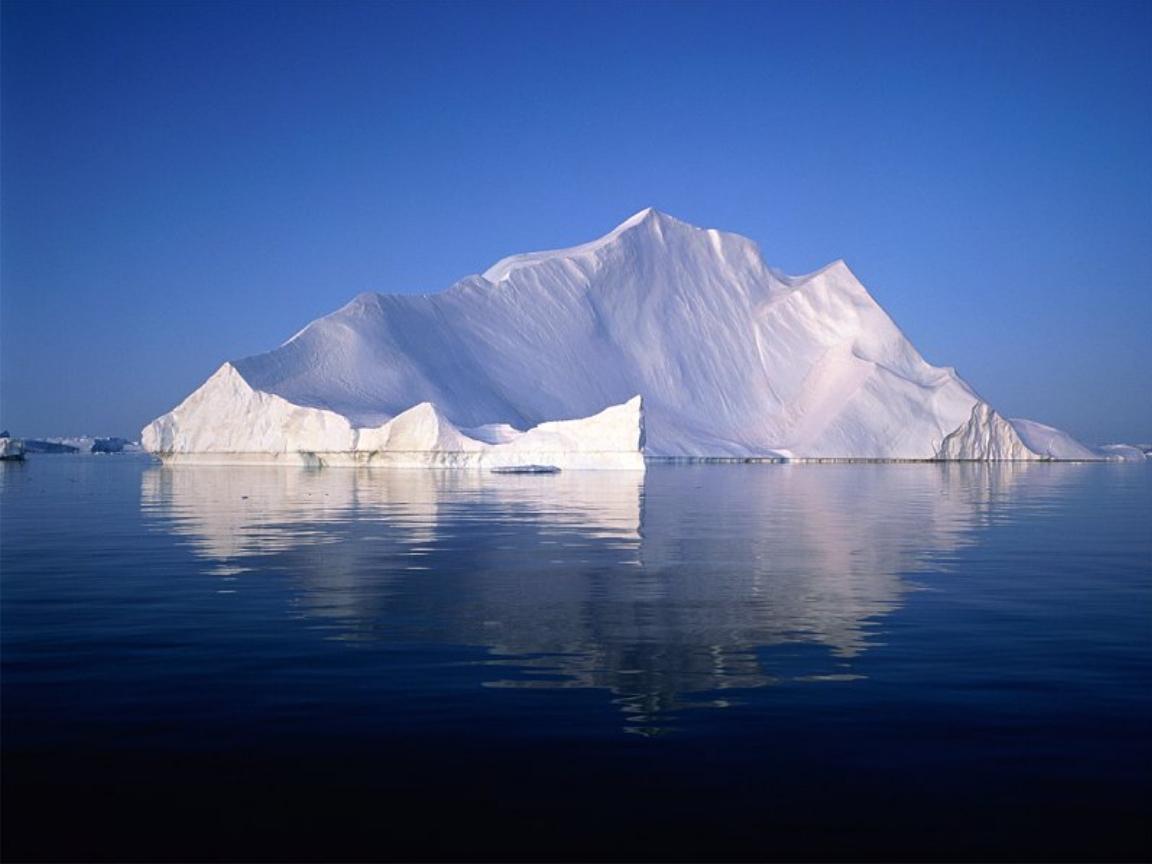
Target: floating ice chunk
[(733, 359)]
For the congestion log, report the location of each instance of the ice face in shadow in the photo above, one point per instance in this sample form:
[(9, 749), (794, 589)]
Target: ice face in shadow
[(668, 590)]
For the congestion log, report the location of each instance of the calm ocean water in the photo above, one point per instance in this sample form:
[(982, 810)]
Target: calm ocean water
[(754, 661)]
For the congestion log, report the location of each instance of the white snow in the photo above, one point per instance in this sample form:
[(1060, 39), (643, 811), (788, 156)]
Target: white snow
[(732, 359), (1051, 443), (1122, 453), (227, 421), (987, 437)]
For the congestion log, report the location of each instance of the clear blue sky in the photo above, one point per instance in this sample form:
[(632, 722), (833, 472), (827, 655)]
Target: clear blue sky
[(189, 183)]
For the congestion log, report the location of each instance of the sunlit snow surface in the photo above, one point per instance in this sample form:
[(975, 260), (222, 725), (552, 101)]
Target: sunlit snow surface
[(730, 357)]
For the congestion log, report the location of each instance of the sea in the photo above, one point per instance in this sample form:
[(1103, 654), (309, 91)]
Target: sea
[(888, 662)]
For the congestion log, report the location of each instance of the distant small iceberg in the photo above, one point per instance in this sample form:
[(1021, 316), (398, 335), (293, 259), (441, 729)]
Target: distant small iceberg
[(11, 449)]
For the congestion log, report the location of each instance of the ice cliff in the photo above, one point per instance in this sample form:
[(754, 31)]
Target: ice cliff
[(731, 358), (227, 420)]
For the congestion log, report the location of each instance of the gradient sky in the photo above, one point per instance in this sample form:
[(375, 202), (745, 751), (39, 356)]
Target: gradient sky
[(189, 183)]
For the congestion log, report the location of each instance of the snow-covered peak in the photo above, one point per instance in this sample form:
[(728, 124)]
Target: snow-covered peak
[(640, 216), (648, 223)]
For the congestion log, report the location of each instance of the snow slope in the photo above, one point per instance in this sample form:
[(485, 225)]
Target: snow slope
[(1122, 453), (732, 359), (1051, 443)]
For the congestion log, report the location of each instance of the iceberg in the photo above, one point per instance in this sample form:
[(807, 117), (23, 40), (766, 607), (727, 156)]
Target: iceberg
[(1122, 453), (11, 449), (659, 340)]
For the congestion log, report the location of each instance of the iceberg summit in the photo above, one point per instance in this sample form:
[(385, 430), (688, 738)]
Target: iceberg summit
[(660, 340)]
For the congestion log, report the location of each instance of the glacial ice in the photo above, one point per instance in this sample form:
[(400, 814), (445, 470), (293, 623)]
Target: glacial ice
[(1051, 443), (986, 436), (228, 421), (732, 359), (1122, 453)]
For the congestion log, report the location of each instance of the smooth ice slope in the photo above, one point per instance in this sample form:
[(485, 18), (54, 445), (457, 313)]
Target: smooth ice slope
[(732, 358), (1122, 453), (1052, 443)]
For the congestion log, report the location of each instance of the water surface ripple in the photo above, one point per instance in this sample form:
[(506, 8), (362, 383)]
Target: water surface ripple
[(742, 661)]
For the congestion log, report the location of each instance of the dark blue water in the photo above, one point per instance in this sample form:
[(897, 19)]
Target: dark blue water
[(720, 662)]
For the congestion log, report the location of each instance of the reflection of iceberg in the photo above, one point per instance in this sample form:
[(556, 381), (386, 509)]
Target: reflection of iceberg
[(652, 587), (235, 512), (237, 516)]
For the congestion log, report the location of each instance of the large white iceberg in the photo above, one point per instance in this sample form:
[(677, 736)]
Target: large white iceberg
[(732, 359)]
